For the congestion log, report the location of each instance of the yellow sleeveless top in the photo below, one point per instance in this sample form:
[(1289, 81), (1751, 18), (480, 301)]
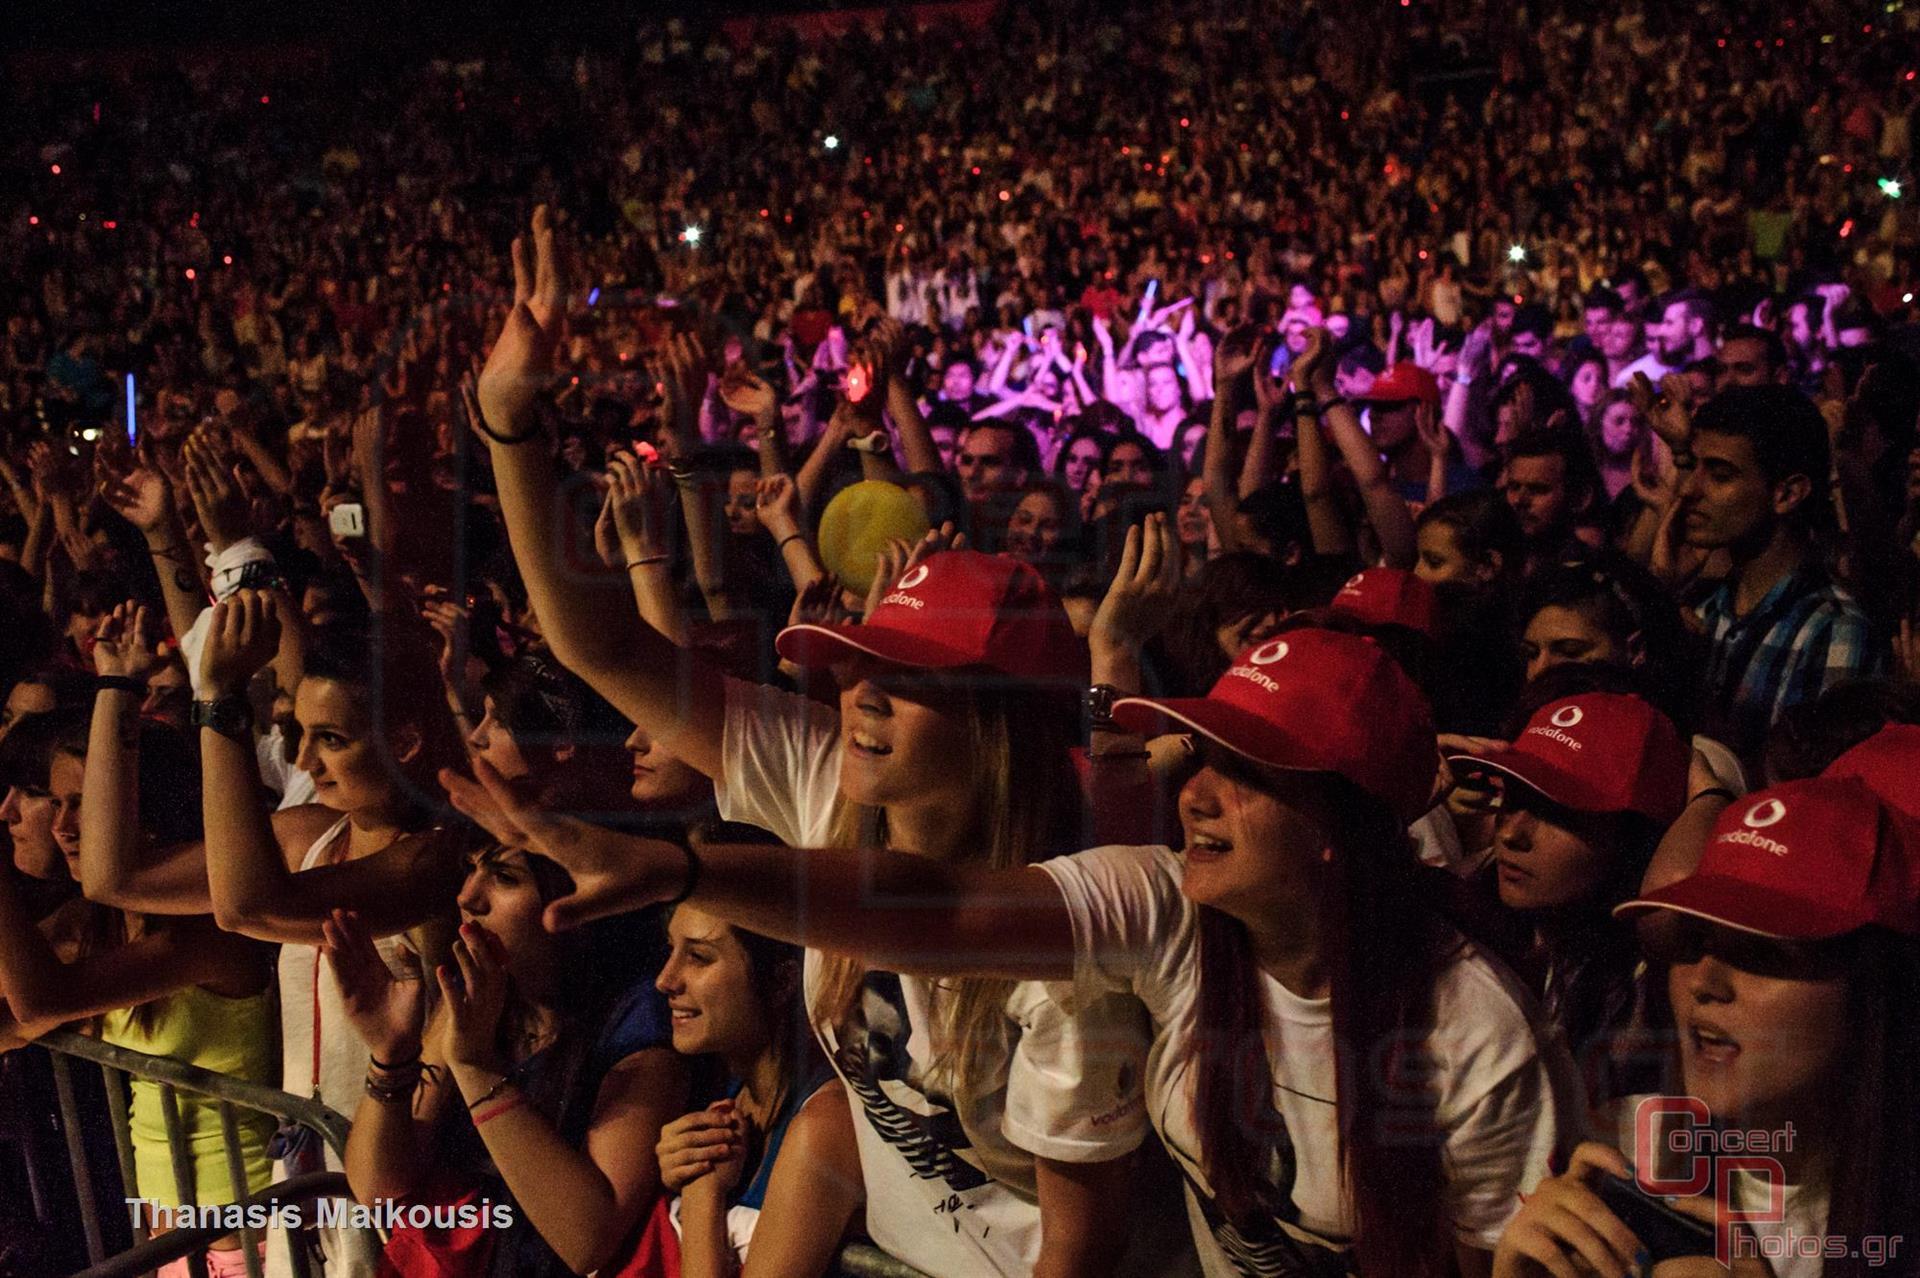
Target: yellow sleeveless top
[(235, 1036)]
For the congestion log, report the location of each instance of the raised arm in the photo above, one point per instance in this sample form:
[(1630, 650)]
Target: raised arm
[(1325, 523), (143, 498), (1262, 461), (744, 391), (685, 377), (254, 890), (640, 503), (586, 618), (777, 503), (1231, 358), (841, 427), (901, 912), (1386, 510), (116, 866), (584, 1201)]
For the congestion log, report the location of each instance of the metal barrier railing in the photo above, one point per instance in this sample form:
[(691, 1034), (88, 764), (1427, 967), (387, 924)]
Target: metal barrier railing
[(858, 1260), (174, 1077)]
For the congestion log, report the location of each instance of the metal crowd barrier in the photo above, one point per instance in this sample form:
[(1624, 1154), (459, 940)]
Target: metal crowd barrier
[(858, 1260), (175, 1077)]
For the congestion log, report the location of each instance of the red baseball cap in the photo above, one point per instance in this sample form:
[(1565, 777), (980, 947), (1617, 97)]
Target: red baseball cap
[(956, 608), (1388, 596), (1313, 701), (1889, 763), (1805, 860), (1403, 382), (1597, 752)]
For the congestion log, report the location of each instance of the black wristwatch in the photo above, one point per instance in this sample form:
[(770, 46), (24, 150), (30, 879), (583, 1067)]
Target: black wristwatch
[(230, 716), (1099, 703)]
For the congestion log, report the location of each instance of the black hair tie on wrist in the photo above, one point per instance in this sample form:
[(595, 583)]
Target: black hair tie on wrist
[(498, 438), (693, 876), (119, 683)]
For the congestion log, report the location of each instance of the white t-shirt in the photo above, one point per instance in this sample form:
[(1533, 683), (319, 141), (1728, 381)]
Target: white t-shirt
[(949, 1190), (1651, 364), (1134, 931)]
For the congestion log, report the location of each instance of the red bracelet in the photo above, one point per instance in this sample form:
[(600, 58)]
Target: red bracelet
[(506, 1103)]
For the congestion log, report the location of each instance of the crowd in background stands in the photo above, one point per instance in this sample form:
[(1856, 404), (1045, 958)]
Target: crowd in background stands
[(1174, 426)]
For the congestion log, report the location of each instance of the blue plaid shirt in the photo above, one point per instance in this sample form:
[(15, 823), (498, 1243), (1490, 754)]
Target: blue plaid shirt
[(1805, 636)]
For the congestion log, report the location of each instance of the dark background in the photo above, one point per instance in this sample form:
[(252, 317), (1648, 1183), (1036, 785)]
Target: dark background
[(82, 24)]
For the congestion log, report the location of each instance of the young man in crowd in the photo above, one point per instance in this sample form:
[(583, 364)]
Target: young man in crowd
[(1781, 629)]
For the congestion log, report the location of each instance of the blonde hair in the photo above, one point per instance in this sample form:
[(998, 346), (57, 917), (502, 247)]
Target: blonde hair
[(1025, 808)]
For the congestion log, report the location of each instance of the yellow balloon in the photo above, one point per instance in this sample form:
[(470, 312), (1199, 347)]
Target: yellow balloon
[(860, 521)]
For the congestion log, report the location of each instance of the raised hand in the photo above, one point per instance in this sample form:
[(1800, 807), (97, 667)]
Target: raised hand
[(215, 490), (1312, 370), (1231, 360), (819, 604), (640, 498), (449, 620), (386, 1010), (138, 494), (1268, 390), (889, 565), (128, 644), (474, 1004), (1669, 411), (745, 391), (1476, 353), (612, 872), (242, 638), (1420, 344), (1139, 600), (777, 502), (521, 361), (683, 382)]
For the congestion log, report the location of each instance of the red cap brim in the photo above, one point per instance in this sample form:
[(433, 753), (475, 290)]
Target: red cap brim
[(1555, 784), (1237, 730), (1746, 907), (815, 645)]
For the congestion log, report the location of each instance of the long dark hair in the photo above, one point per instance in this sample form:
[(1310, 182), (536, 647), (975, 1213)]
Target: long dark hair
[(167, 812), (1384, 945), (392, 666), (1876, 1181), (602, 963), (774, 975)]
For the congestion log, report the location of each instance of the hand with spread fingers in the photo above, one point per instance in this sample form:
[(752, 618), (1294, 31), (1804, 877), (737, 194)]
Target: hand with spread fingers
[(612, 872), (127, 643), (387, 1010)]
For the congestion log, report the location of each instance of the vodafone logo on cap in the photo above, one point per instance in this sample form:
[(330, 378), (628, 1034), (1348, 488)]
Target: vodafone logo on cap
[(1758, 817), (1267, 654), (899, 598), (1564, 717)]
